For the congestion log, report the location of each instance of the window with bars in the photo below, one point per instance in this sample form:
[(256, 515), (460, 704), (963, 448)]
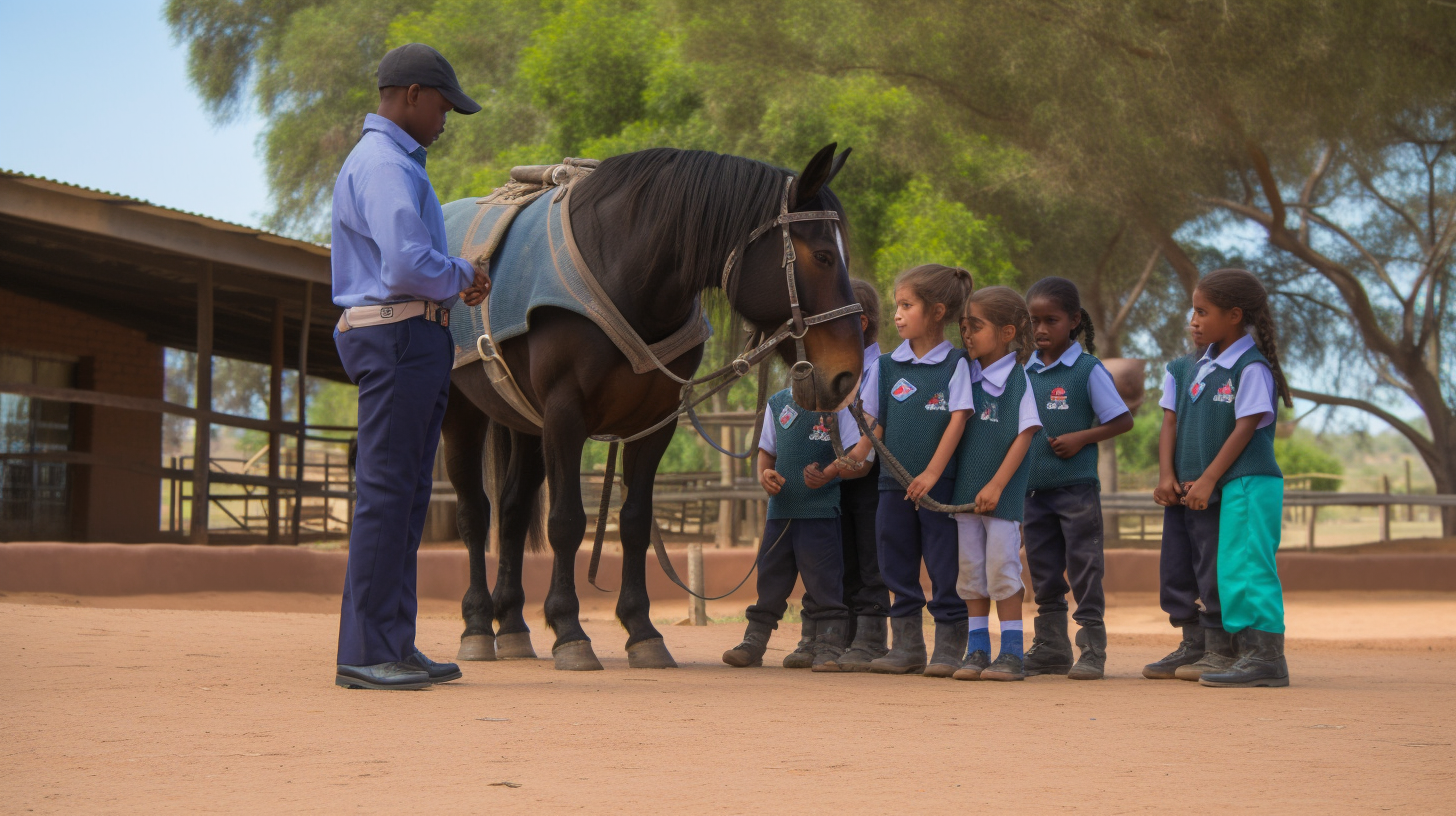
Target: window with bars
[(35, 495)]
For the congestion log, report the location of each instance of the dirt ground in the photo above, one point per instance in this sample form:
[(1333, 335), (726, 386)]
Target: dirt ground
[(225, 703)]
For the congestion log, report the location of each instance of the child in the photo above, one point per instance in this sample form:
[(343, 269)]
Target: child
[(921, 395), (864, 589), (1079, 407), (992, 474), (801, 535), (1223, 491)]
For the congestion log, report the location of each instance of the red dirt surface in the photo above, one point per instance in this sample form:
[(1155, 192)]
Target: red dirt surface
[(203, 703)]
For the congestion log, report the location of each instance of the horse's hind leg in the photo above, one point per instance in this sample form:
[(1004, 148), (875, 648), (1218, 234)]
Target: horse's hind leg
[(566, 524), (645, 647), (464, 429), (519, 481)]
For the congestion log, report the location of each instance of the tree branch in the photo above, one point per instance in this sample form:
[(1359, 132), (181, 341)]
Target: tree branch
[(1183, 265), (1320, 168), (1424, 446), (1363, 176), (1137, 290), (1380, 271)]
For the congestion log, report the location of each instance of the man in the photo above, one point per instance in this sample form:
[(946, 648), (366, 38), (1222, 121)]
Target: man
[(395, 279)]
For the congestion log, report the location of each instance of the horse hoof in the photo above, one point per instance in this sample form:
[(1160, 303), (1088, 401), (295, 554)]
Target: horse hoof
[(515, 646), (576, 656), (650, 654), (476, 647)]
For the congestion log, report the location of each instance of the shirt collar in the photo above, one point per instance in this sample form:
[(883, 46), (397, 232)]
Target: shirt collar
[(406, 142), (903, 354), (872, 353), (1068, 358), (1231, 354), (997, 372)]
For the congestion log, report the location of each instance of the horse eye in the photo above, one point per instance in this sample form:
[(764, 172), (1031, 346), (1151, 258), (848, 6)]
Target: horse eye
[(823, 257)]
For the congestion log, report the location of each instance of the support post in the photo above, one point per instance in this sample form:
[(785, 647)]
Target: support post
[(1384, 509), (1107, 474), (697, 607), (1410, 509), (1313, 514), (202, 442), (726, 508), (275, 414), (302, 408)]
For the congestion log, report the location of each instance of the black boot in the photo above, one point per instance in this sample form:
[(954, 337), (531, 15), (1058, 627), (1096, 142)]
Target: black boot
[(1051, 651), (1218, 654), (1189, 651), (950, 648), (829, 644), (1260, 663), (1092, 640), (802, 657), (869, 643), (750, 651), (907, 655)]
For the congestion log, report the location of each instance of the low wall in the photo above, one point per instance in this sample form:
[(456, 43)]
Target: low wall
[(144, 569)]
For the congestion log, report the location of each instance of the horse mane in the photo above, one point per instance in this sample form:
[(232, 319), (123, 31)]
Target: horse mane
[(687, 208)]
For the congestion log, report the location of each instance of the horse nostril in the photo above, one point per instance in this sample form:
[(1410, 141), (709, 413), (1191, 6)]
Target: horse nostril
[(842, 383)]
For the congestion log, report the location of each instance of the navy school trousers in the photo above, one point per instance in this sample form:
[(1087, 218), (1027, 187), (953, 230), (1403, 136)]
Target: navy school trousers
[(808, 549), (403, 373), (865, 592), (1188, 566), (1063, 534), (907, 535)]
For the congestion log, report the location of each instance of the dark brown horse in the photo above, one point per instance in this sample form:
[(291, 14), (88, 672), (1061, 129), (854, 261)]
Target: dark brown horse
[(656, 228)]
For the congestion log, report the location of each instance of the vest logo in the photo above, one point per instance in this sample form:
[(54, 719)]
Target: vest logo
[(1195, 390), (1225, 392), (820, 431), (902, 390), (988, 414), (1058, 400), (787, 416), (937, 402)]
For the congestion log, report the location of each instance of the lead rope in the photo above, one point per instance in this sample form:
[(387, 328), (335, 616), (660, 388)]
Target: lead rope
[(887, 459)]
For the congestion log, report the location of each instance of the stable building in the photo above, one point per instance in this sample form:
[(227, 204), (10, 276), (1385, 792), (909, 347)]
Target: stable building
[(96, 285)]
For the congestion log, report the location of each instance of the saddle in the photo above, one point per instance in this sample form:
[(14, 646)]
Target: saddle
[(541, 266)]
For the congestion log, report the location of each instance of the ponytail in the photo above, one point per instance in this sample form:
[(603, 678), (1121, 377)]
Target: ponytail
[(1239, 289), (1064, 294)]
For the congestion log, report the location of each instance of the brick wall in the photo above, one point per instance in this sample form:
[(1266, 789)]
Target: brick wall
[(108, 503)]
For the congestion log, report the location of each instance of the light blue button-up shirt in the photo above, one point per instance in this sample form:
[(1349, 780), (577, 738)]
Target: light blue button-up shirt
[(389, 242)]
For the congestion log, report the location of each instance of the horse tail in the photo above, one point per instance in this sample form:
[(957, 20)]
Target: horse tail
[(501, 444)]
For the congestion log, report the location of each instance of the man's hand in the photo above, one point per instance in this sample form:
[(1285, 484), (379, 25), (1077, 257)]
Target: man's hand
[(1067, 445), (771, 481), (480, 287)]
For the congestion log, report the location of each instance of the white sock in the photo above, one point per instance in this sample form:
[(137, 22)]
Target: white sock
[(1011, 625), (983, 622)]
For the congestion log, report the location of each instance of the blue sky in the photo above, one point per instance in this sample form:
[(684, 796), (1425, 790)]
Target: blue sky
[(96, 94)]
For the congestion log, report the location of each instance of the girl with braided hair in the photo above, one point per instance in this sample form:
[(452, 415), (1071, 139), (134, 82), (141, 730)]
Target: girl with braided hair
[(1079, 407), (991, 473), (1223, 491)]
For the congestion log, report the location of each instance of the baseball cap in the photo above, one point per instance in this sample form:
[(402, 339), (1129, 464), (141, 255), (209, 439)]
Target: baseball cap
[(419, 64)]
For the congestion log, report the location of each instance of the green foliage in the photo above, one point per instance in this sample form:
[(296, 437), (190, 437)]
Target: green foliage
[(923, 226), (1137, 450), (1296, 456)]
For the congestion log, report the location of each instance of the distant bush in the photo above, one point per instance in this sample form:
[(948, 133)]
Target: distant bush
[(1296, 455)]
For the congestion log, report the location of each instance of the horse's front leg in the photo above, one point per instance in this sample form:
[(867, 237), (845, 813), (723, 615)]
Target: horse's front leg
[(565, 526), (645, 647), (516, 460)]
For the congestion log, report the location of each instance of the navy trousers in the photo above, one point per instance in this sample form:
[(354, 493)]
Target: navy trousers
[(865, 592), (1063, 534), (809, 549), (907, 535), (1188, 567), (403, 373)]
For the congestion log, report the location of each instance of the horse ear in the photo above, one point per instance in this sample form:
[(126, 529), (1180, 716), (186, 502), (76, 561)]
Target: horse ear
[(838, 165), (816, 174)]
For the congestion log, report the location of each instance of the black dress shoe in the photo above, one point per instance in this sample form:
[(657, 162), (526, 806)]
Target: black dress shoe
[(438, 672), (382, 676)]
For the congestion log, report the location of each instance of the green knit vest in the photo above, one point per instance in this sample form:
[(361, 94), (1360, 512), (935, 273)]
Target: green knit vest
[(1064, 403), (1206, 423), (802, 436), (989, 434), (915, 410)]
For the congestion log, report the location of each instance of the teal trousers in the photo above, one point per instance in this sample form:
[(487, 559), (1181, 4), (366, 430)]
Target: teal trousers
[(1249, 526)]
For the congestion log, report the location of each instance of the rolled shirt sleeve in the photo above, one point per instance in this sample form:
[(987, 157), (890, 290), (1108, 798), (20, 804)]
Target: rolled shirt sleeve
[(1169, 400), (408, 259), (1107, 404), (1255, 394)]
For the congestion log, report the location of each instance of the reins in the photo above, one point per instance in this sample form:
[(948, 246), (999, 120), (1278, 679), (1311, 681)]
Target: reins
[(887, 459)]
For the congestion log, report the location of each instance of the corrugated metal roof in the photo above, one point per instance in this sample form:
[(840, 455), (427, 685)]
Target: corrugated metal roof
[(164, 212)]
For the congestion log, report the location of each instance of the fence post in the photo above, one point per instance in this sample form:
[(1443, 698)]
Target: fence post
[(1313, 514), (202, 435), (697, 607), (1410, 509), (1384, 509)]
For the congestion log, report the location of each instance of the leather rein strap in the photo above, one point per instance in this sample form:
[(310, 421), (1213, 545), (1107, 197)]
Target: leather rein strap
[(795, 327)]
